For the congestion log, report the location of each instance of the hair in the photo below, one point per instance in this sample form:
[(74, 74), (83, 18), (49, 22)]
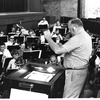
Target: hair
[(14, 52), (2, 43), (77, 22)]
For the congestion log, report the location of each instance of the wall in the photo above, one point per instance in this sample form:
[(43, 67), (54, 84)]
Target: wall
[(59, 8), (34, 5), (69, 8), (52, 7)]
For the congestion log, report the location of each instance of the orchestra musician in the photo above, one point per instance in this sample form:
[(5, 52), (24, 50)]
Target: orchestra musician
[(56, 26), (21, 50), (58, 36), (2, 33), (43, 22), (5, 53), (32, 33), (12, 64), (11, 41)]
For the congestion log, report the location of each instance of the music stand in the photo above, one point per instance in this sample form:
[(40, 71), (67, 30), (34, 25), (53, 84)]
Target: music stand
[(6, 63), (62, 31), (3, 39), (11, 34), (11, 47), (47, 52), (41, 27), (1, 57), (33, 40), (19, 39), (98, 54), (33, 55)]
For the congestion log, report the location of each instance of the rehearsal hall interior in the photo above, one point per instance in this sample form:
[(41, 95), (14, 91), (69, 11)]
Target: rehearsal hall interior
[(49, 49)]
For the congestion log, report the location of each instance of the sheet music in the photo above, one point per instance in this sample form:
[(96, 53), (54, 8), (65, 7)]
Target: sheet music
[(39, 76)]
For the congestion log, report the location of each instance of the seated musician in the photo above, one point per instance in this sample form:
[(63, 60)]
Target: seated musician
[(21, 50), (53, 60), (13, 31), (43, 22), (24, 31), (5, 52), (12, 64), (2, 33), (58, 36), (32, 33), (11, 41), (42, 38), (56, 26)]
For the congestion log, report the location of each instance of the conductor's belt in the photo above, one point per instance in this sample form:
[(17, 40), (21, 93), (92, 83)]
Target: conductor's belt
[(76, 68)]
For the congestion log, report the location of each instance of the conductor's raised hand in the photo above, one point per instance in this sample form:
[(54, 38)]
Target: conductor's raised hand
[(47, 34)]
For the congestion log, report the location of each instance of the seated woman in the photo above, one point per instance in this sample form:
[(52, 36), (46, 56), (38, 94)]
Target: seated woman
[(12, 64)]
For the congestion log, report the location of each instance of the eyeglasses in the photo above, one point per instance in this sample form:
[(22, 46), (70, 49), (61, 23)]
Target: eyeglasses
[(11, 38)]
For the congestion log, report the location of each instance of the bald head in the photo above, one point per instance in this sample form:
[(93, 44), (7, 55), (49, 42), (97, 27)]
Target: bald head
[(76, 21), (75, 25)]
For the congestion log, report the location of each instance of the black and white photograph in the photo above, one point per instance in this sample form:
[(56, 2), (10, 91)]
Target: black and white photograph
[(49, 49)]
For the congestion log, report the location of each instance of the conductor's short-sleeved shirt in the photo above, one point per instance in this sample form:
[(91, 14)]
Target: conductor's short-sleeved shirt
[(78, 51)]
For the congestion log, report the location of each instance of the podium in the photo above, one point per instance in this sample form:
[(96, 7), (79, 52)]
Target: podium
[(49, 83)]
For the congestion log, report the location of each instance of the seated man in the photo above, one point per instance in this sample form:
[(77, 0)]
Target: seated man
[(31, 33), (11, 42), (58, 36), (56, 26), (43, 22), (5, 52)]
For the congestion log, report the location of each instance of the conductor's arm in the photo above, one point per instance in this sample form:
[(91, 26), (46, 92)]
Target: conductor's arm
[(58, 49)]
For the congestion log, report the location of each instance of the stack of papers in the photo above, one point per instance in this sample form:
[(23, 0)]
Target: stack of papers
[(17, 94), (39, 76)]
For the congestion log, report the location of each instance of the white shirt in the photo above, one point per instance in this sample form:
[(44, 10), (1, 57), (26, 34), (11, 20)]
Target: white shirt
[(54, 28), (42, 38), (5, 54), (79, 49), (97, 61), (43, 23), (8, 43), (12, 64)]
